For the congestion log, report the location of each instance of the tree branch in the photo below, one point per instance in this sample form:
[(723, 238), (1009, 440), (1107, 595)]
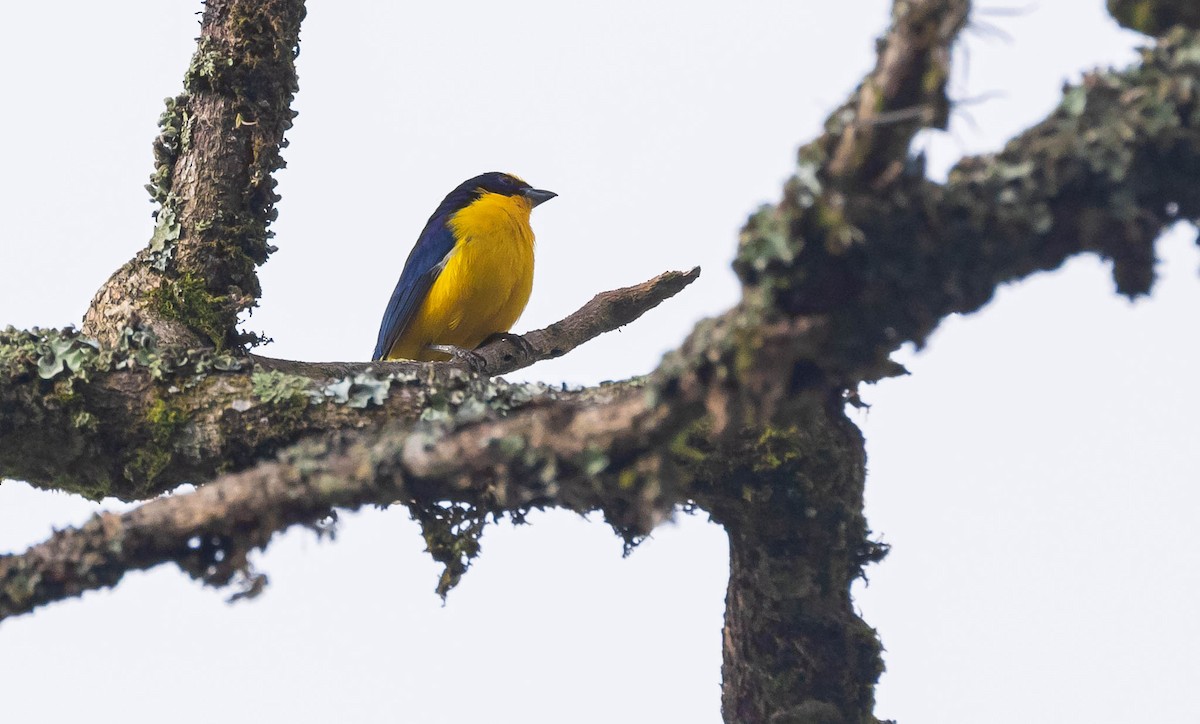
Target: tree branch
[(862, 254), (605, 312), (874, 268), (868, 138), (595, 451), (214, 158), (136, 420)]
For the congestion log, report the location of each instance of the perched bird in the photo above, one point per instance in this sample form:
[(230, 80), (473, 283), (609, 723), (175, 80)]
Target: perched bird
[(469, 275)]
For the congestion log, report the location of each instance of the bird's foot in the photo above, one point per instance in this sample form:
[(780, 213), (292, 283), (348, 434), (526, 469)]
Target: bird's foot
[(474, 361), (515, 340)]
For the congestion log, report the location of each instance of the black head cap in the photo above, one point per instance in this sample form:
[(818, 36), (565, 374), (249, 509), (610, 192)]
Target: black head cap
[(493, 182)]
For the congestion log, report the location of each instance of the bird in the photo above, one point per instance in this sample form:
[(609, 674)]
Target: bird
[(469, 275)]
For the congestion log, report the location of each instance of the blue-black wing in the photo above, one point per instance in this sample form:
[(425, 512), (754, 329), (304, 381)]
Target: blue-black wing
[(424, 264)]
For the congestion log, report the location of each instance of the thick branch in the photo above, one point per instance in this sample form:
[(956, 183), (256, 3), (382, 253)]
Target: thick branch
[(868, 138), (874, 268), (597, 451), (214, 158), (790, 498), (135, 420), (862, 255)]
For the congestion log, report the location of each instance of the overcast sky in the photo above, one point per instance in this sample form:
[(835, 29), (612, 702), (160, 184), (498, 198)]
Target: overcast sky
[(1036, 475)]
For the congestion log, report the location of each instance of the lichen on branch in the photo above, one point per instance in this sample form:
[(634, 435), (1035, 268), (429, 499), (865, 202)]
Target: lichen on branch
[(583, 451), (745, 420), (878, 266), (214, 159), (1155, 17), (136, 418)]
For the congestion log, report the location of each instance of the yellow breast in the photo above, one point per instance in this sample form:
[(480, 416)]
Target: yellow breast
[(485, 283)]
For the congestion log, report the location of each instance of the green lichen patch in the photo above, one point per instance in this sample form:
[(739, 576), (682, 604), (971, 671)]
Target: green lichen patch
[(237, 104), (764, 242), (1105, 173), (452, 537), (212, 67), (279, 388), (85, 420), (775, 448), (358, 391), (187, 299), (462, 398), (47, 376), (453, 531), (63, 354), (163, 420), (173, 137), (51, 353), (593, 461), (166, 233)]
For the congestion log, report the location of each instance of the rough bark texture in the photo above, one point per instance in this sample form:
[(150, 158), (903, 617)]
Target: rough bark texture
[(791, 501), (745, 420), (135, 419), (540, 458), (219, 145)]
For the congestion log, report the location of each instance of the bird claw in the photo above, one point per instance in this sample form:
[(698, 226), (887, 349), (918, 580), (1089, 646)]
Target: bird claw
[(473, 360), (515, 339)]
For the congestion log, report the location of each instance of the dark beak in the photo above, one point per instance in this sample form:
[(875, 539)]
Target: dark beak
[(537, 196)]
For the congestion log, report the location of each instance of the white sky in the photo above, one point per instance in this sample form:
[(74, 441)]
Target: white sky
[(1035, 475)]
